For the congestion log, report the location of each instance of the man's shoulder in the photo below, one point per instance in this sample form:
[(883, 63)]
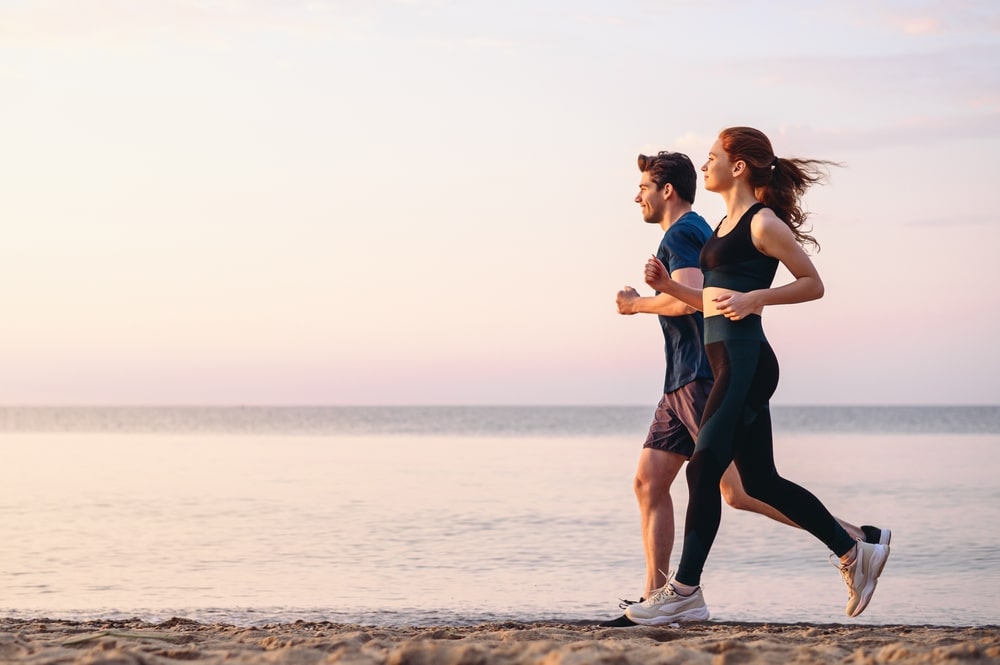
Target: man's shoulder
[(690, 225), (691, 221)]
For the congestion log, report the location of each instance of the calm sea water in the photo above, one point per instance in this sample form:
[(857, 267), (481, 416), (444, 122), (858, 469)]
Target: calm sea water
[(464, 515)]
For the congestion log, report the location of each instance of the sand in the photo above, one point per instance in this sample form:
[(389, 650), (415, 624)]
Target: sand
[(135, 642)]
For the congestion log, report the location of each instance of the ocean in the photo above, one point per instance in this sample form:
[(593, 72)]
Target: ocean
[(463, 515)]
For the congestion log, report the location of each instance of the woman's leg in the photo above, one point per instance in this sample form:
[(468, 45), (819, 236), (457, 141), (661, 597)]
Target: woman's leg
[(734, 364), (754, 458)]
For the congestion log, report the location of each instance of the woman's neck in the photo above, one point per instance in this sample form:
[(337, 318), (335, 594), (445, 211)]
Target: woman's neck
[(738, 201)]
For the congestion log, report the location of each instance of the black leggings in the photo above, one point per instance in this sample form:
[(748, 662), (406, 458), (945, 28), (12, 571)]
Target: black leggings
[(736, 426)]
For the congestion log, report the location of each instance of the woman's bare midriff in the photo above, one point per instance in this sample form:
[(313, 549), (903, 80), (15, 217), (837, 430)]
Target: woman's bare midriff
[(708, 295)]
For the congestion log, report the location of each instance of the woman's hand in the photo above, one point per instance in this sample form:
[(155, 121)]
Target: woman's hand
[(735, 305), (657, 275)]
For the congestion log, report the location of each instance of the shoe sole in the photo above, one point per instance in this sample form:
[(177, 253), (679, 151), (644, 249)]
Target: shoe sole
[(700, 614), (878, 563), (885, 537)]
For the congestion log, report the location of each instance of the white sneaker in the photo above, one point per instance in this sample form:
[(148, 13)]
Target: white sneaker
[(666, 606), (862, 575)]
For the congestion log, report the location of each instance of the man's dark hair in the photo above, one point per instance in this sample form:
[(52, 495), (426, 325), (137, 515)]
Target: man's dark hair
[(673, 167)]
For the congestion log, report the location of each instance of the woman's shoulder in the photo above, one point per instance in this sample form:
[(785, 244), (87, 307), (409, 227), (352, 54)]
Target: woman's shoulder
[(766, 222)]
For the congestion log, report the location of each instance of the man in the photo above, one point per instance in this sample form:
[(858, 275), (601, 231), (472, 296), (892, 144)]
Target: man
[(666, 194)]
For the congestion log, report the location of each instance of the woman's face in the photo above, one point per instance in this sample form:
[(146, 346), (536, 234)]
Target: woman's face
[(718, 170)]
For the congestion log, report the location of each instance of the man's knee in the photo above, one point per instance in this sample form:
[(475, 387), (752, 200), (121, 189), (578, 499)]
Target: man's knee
[(656, 473), (651, 488)]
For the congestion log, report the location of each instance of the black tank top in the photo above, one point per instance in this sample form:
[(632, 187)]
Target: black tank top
[(732, 261)]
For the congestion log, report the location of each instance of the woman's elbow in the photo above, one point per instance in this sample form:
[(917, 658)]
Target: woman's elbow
[(816, 288)]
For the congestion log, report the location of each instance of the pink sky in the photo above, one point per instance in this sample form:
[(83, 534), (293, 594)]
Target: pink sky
[(425, 202)]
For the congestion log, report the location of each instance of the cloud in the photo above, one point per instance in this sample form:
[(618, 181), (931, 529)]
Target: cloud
[(695, 145), (927, 19), (962, 77), (906, 133), (924, 25), (807, 140), (949, 18)]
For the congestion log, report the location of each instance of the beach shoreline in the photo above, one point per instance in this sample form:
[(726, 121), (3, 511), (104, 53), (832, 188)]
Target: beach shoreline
[(124, 642)]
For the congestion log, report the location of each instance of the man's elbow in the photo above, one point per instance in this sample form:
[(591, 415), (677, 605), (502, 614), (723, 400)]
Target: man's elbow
[(680, 309)]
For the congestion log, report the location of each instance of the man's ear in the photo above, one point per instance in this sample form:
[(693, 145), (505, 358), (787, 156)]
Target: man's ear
[(668, 189)]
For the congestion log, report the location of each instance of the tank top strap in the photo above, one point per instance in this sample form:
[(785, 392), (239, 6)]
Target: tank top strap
[(743, 226), (751, 211)]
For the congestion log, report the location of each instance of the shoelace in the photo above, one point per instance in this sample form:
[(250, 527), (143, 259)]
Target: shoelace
[(845, 570), (623, 603), (661, 595), (664, 592)]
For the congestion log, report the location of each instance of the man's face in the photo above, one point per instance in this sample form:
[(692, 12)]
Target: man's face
[(651, 200)]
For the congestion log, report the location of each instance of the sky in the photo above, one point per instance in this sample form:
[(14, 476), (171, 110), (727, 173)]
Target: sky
[(241, 202)]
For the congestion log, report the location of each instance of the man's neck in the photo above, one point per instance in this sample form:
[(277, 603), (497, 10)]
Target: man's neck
[(672, 214)]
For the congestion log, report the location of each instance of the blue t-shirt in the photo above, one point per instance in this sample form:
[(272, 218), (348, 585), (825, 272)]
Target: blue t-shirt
[(683, 336)]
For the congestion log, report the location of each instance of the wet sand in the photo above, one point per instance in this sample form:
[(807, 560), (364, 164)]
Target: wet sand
[(44, 641)]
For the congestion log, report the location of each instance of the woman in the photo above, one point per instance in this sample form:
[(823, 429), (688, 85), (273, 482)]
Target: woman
[(762, 227)]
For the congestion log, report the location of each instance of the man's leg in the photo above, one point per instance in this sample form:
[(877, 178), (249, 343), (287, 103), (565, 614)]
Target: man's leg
[(653, 478), (668, 445)]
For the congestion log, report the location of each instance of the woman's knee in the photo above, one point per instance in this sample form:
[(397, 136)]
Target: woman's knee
[(756, 487), (703, 473)]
